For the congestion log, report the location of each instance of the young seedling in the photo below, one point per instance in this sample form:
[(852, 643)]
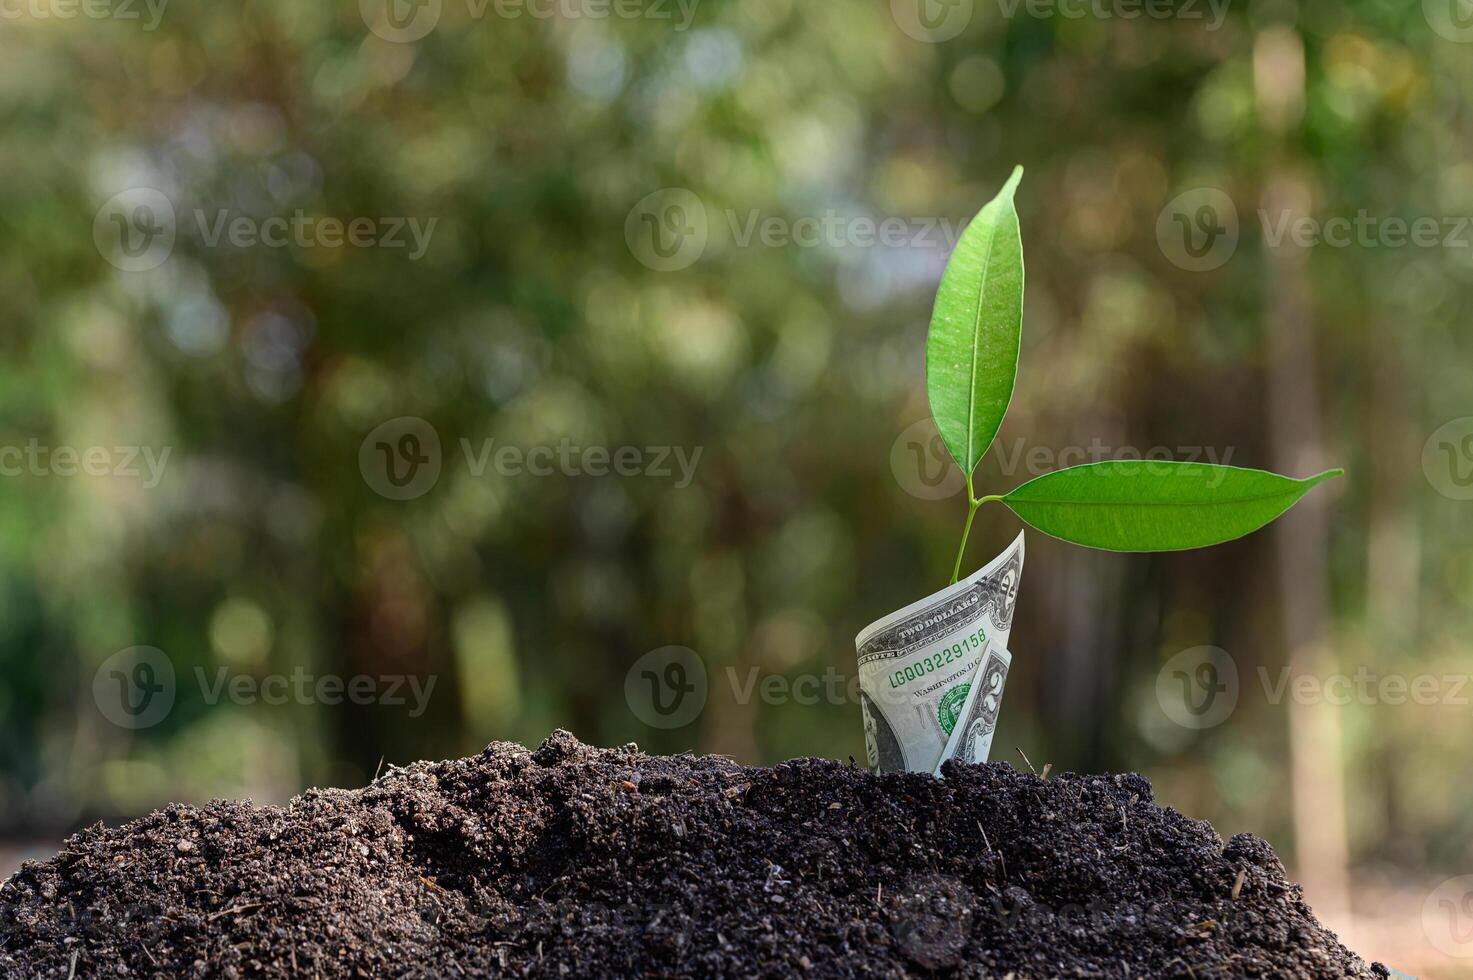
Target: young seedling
[(1124, 505)]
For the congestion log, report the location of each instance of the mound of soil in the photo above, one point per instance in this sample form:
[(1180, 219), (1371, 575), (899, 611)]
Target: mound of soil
[(575, 861)]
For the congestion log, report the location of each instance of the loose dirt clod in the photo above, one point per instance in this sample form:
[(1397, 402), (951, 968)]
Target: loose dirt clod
[(574, 861)]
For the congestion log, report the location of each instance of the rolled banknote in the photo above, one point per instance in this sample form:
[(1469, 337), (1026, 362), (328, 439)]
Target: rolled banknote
[(917, 665), (971, 739)]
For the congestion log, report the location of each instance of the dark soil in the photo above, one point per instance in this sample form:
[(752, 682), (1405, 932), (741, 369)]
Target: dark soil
[(579, 862)]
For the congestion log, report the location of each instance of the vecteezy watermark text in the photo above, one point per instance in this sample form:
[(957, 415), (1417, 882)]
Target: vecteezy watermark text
[(304, 230), (1201, 687), (302, 687), (668, 687), (828, 687), (569, 459), (935, 21), (833, 229), (405, 21), (1198, 230), (402, 459), (669, 230), (1365, 230), (137, 688), (150, 12), (1214, 12), (1366, 686), (144, 463), (923, 467), (136, 230)]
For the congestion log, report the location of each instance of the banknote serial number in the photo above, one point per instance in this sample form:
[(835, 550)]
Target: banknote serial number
[(933, 662)]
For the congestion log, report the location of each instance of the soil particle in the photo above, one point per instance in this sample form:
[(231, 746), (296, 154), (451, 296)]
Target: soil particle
[(571, 861)]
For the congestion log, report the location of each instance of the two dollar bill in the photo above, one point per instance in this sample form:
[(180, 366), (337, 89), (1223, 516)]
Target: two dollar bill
[(931, 675)]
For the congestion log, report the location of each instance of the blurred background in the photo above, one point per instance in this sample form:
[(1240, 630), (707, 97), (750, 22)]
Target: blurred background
[(378, 381)]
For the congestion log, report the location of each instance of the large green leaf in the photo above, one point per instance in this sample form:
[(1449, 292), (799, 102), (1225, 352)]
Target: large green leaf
[(1155, 505), (972, 347)]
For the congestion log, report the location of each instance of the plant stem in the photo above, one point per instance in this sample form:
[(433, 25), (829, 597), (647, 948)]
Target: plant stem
[(962, 548), (973, 502)]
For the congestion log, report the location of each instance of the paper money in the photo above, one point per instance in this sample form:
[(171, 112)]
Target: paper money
[(971, 739), (917, 665)]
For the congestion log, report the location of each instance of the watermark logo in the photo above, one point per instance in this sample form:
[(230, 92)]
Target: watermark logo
[(668, 920), (400, 21), (931, 919), (1198, 230), (135, 230), (1447, 917), (134, 688), (666, 688), (405, 21), (1447, 459), (1451, 20), (401, 459), (921, 464), (1214, 12), (667, 230), (1198, 688), (932, 21)]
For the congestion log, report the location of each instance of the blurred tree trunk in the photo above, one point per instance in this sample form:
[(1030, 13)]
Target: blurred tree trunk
[(1315, 738), (1393, 551)]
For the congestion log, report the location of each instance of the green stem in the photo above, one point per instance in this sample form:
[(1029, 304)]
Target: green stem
[(973, 503), (962, 548)]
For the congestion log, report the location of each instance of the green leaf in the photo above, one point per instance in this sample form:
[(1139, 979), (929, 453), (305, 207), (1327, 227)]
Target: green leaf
[(1155, 505), (972, 346)]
